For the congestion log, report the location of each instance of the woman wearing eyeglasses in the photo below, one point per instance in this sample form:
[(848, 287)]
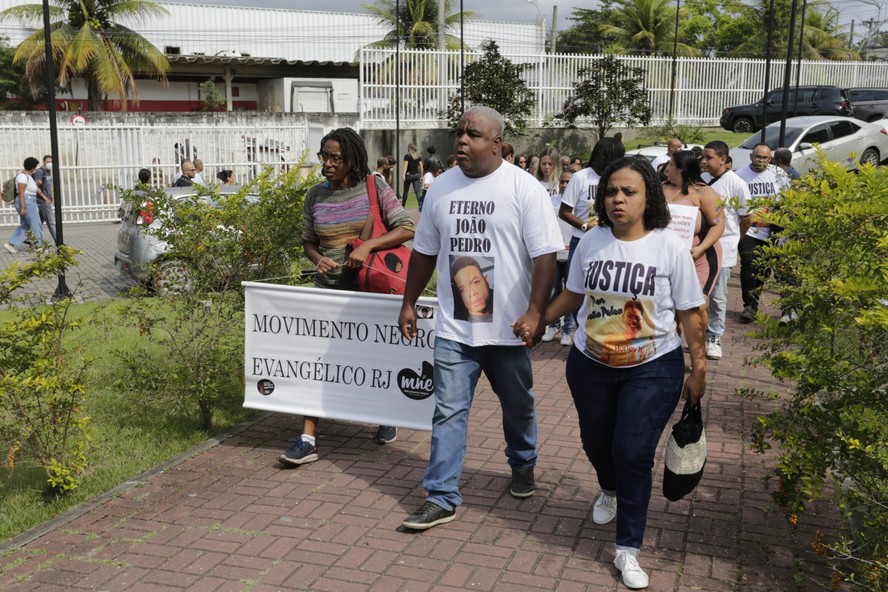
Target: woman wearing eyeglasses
[(334, 214)]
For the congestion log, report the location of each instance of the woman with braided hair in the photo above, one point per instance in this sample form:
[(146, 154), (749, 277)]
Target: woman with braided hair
[(334, 214)]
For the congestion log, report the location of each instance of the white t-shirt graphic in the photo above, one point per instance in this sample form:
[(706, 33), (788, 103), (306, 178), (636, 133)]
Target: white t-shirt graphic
[(631, 292), (485, 233), (768, 183), (580, 195)]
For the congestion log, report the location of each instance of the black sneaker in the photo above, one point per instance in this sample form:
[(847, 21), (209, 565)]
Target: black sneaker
[(386, 434), (427, 516), (299, 453), (748, 314), (523, 484)]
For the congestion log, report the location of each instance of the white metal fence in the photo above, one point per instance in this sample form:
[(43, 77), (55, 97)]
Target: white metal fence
[(96, 161), (704, 87)]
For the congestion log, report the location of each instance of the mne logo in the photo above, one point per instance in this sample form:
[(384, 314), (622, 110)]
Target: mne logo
[(417, 387)]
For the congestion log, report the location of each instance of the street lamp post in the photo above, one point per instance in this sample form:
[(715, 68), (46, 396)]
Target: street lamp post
[(542, 26)]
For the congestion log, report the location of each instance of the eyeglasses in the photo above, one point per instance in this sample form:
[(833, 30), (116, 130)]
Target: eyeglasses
[(336, 158)]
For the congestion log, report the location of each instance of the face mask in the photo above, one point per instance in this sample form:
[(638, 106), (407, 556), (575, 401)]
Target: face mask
[(48, 166)]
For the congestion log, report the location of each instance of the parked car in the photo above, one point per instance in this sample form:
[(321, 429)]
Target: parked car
[(657, 150), (812, 100), (870, 104), (842, 139), (138, 250)]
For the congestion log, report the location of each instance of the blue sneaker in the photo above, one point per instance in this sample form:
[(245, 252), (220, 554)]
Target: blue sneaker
[(386, 434), (299, 453)]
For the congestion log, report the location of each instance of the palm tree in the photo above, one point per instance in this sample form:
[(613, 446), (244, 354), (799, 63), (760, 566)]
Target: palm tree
[(419, 23), (823, 38), (645, 26), (88, 42)]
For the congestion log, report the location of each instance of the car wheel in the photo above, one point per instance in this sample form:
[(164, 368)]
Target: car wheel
[(870, 156), (170, 277), (742, 125)]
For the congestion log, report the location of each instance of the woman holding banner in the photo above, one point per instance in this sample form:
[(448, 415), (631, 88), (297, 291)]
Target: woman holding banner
[(335, 213)]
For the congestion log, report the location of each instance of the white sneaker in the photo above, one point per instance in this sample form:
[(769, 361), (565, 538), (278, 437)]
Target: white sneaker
[(713, 349), (633, 576), (9, 247), (788, 318), (605, 509), (567, 339), (549, 335)]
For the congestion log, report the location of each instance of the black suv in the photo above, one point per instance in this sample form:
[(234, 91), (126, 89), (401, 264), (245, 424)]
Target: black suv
[(870, 104), (813, 100)]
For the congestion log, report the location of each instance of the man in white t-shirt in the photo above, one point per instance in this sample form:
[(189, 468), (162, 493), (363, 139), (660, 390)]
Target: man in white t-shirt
[(672, 146), (735, 195), (489, 229), (765, 181)]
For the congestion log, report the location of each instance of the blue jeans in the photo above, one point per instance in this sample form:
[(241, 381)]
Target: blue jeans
[(31, 222), (622, 413), (560, 281), (457, 369), (718, 305)]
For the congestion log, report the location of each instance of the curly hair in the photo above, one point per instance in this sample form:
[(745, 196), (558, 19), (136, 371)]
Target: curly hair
[(656, 211), (687, 164), (354, 152)]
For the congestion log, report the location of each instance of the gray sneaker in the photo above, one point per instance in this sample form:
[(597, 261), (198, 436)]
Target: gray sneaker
[(748, 314), (427, 516), (10, 247), (523, 484), (386, 434)]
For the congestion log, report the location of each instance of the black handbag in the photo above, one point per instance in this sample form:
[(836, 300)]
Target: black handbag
[(685, 454)]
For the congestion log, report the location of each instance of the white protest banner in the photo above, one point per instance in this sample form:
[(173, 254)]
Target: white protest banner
[(338, 354), (684, 221)]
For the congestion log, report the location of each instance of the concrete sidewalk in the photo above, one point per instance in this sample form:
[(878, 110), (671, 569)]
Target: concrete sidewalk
[(231, 518)]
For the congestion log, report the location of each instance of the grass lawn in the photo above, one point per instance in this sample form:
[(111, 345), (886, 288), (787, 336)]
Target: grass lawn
[(730, 138), (130, 435)]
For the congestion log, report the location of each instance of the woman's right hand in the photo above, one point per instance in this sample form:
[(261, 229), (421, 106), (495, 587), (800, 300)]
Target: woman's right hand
[(326, 264)]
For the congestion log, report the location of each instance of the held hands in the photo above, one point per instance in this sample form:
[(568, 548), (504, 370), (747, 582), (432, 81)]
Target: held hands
[(529, 328), (694, 386)]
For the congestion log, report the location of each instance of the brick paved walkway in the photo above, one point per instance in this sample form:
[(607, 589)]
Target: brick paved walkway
[(230, 518)]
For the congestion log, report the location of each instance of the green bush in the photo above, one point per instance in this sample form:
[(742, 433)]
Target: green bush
[(215, 243), (831, 268), (42, 391)]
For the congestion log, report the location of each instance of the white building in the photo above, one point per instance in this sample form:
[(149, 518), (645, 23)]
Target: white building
[(243, 48)]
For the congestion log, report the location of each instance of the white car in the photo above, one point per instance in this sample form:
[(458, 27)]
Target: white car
[(652, 152), (842, 139)]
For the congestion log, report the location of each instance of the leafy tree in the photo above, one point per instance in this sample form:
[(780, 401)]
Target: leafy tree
[(585, 36), (42, 391), (606, 93), (824, 39), (14, 92), (494, 81), (831, 423), (196, 321), (88, 43), (419, 23), (212, 98), (646, 27)]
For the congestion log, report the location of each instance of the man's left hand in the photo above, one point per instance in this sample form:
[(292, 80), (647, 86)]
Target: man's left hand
[(529, 328), (358, 256)]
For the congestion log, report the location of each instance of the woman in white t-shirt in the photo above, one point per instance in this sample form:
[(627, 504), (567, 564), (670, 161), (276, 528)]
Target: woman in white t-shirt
[(630, 278), (26, 205), (546, 170)]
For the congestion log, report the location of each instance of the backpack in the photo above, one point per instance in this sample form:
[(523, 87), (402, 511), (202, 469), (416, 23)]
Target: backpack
[(9, 190)]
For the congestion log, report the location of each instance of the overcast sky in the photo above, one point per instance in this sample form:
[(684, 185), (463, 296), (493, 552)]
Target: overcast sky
[(524, 11)]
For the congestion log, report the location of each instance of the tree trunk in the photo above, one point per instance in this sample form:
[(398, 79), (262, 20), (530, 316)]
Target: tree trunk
[(93, 95)]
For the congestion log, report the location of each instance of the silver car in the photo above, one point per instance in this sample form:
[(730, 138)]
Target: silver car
[(138, 250), (842, 139)]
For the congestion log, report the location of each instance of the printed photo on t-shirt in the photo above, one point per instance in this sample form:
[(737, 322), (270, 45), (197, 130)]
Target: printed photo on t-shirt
[(471, 279), (620, 331)]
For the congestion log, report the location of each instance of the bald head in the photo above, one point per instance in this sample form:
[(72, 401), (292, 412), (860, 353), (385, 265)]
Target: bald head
[(491, 115), (673, 146)]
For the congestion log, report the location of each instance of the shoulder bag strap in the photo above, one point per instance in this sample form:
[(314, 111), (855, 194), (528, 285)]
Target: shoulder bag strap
[(373, 226)]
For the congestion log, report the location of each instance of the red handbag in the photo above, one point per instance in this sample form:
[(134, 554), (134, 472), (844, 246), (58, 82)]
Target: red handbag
[(385, 271)]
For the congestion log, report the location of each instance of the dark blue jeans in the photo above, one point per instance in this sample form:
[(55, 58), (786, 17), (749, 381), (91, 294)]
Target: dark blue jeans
[(622, 413)]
